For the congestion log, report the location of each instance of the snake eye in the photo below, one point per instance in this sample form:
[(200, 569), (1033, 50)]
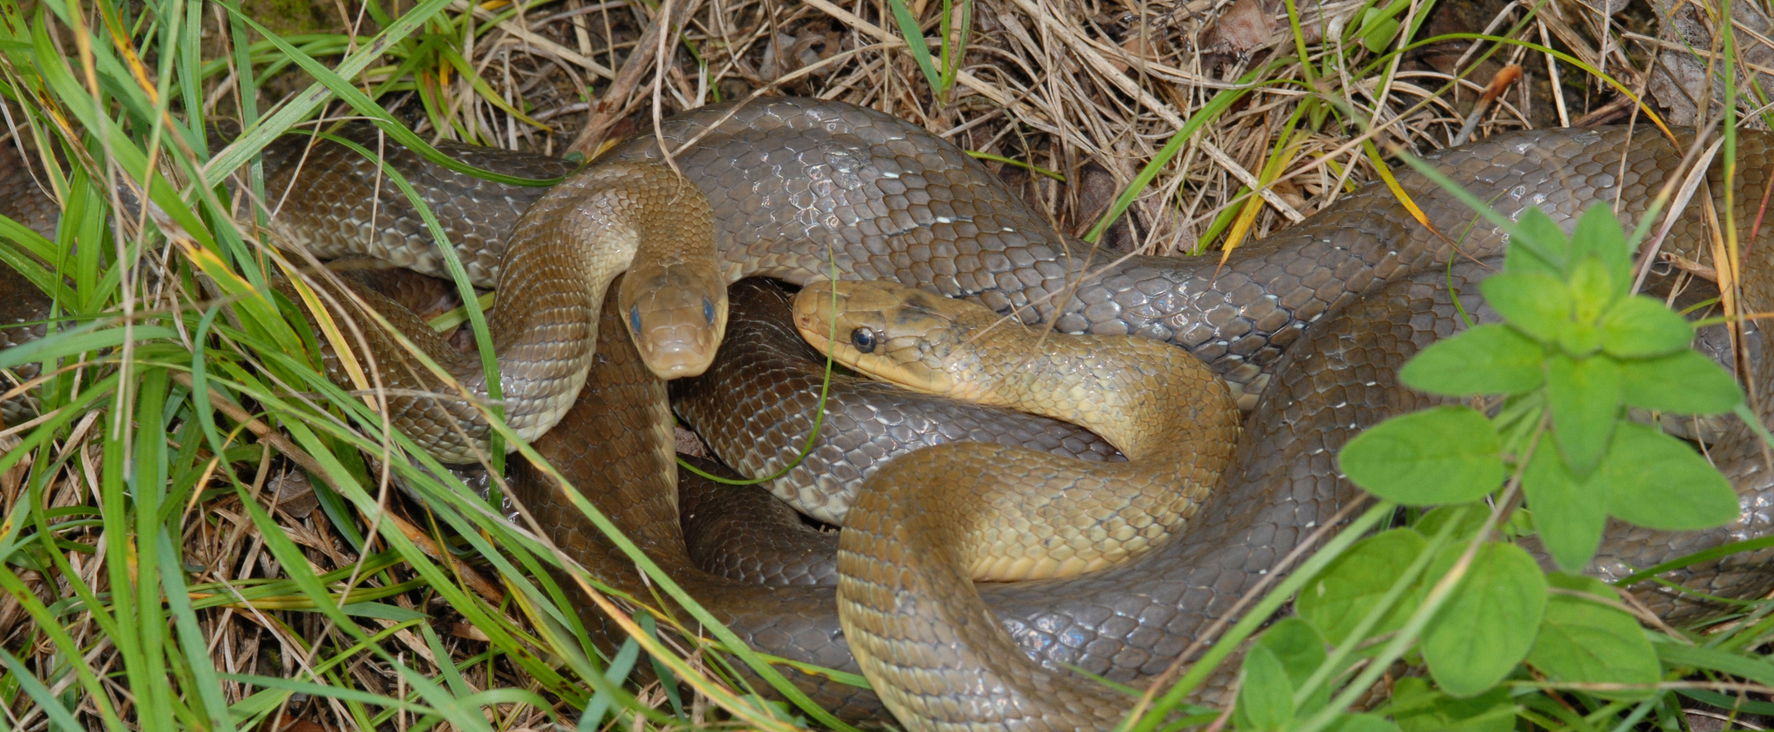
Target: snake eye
[(708, 310), (634, 319), (864, 340)]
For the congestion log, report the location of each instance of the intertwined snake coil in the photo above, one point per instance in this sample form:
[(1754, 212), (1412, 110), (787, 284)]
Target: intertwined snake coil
[(1348, 295)]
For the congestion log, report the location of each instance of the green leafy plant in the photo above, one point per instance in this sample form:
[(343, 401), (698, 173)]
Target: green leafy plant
[(1575, 350)]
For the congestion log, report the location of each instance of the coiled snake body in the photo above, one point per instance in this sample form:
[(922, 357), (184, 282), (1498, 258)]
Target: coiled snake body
[(797, 186)]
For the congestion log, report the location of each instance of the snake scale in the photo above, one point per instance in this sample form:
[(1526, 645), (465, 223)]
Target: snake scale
[(1324, 311)]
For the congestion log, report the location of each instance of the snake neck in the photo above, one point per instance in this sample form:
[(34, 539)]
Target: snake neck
[(560, 260), (1088, 381)]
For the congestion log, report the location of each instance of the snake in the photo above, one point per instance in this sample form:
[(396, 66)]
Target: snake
[(908, 561), (1165, 411), (554, 263), (1314, 318)]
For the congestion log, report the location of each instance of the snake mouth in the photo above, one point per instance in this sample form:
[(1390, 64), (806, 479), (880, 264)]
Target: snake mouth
[(678, 360)]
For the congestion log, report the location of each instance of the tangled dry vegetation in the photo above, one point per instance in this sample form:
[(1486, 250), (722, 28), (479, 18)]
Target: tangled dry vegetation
[(1154, 119)]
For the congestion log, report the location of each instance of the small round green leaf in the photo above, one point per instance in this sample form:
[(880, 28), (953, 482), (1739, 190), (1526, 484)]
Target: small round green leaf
[(1640, 327), (1601, 236), (1659, 482), (1583, 396), (1487, 626), (1684, 382), (1442, 455), (1488, 359), (1569, 512), (1593, 290), (1265, 695), (1538, 304), (1580, 339), (1351, 586), (1584, 641), (1598, 234), (1296, 644), (1537, 246), (1301, 650)]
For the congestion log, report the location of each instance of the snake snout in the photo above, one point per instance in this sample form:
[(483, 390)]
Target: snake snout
[(677, 360), (815, 307)]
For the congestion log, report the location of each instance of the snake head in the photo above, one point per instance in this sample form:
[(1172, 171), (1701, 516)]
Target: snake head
[(677, 317), (898, 334)]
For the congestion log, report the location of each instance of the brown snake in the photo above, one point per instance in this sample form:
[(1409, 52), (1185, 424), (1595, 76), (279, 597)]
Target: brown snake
[(794, 182)]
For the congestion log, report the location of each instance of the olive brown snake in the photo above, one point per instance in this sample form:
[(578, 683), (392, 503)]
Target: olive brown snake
[(790, 180)]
